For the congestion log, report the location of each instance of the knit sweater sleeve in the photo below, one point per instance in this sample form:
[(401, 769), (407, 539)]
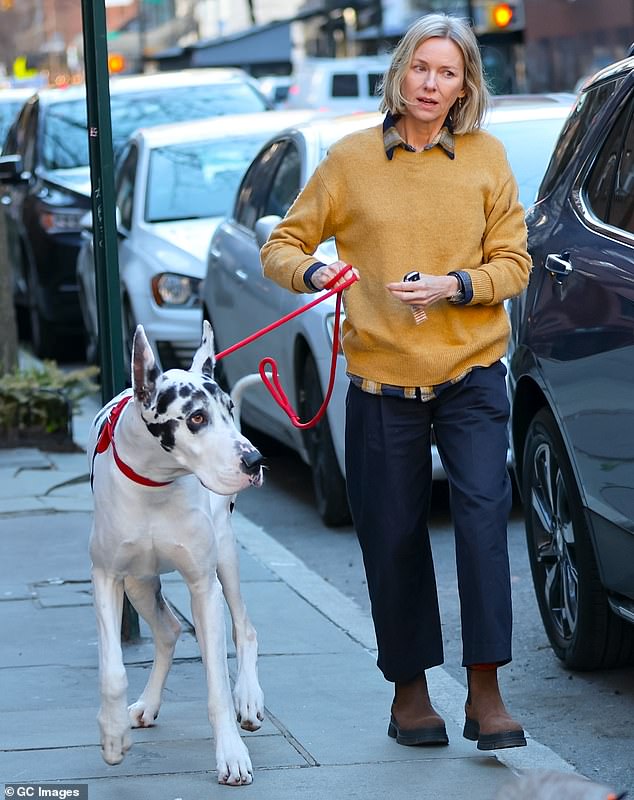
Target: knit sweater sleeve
[(506, 264), (288, 253)]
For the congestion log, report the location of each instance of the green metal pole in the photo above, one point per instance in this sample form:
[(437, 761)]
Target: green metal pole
[(103, 203), (104, 223)]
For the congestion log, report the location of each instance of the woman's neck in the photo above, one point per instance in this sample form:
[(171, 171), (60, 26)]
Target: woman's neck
[(417, 135)]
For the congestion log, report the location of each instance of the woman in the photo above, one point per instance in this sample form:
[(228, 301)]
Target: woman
[(428, 192)]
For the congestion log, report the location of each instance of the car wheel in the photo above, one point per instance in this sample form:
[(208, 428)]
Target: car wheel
[(328, 482), (583, 631)]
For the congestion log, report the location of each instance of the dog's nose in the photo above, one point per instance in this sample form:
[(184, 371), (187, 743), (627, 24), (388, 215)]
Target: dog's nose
[(252, 461)]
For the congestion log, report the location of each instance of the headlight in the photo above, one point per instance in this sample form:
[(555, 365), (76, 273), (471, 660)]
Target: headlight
[(169, 289), (330, 328)]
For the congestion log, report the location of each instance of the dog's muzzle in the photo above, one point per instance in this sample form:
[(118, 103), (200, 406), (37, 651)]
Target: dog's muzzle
[(251, 463)]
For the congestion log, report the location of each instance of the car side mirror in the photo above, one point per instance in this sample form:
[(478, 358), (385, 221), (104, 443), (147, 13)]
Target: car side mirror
[(11, 169), (264, 226)]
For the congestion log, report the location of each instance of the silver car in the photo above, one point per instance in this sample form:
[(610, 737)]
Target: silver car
[(174, 183), (238, 300)]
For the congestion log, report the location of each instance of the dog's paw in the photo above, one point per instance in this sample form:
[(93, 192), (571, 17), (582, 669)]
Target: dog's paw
[(142, 715), (234, 769), (114, 748), (248, 701)]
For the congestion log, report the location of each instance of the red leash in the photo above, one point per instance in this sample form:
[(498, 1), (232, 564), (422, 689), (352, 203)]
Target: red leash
[(274, 386)]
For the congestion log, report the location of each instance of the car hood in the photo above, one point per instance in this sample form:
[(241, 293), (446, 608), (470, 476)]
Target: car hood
[(189, 235), (76, 180)]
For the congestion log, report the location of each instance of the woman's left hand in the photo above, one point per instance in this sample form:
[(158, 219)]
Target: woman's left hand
[(426, 291)]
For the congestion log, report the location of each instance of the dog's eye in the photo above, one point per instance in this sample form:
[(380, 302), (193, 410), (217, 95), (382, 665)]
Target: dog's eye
[(198, 419)]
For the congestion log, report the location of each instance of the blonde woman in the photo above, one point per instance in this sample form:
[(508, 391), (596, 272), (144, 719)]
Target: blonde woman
[(430, 194)]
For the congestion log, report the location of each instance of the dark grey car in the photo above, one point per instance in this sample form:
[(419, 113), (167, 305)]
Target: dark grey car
[(572, 381)]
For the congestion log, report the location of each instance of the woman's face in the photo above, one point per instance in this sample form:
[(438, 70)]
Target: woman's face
[(434, 80)]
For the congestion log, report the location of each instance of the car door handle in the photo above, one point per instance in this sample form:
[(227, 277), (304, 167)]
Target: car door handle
[(241, 275), (559, 265), (214, 252)]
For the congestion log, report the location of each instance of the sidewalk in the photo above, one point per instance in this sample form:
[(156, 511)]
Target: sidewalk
[(327, 705)]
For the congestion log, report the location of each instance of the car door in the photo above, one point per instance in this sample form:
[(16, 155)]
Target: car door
[(581, 326), (20, 141), (125, 195), (244, 300)]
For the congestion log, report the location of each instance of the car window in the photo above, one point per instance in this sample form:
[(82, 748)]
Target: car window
[(124, 195), (65, 144), (345, 84), (375, 79), (8, 112), (286, 183), (578, 123), (197, 179), (253, 190), (610, 188)]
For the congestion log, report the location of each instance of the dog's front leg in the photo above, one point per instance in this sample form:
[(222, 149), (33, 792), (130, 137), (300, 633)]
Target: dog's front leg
[(248, 697), (232, 757), (113, 717)]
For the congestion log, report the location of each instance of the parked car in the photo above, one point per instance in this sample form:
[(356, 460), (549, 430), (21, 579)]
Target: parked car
[(238, 300), (45, 180), (173, 185), (11, 101), (571, 380), (338, 84)]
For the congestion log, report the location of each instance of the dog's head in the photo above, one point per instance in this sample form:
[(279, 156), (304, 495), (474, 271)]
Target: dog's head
[(191, 417)]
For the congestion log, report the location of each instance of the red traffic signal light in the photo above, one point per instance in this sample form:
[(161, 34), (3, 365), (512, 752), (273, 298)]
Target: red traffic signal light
[(502, 15), (116, 63)]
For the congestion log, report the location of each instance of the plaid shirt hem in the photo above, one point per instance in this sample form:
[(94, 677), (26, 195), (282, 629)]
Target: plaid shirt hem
[(422, 393)]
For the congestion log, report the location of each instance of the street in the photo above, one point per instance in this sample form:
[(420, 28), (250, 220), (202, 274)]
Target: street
[(584, 717)]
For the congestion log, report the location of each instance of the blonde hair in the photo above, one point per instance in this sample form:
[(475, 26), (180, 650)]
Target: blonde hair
[(468, 112)]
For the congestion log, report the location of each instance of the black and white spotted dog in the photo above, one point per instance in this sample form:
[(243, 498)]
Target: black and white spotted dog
[(166, 461)]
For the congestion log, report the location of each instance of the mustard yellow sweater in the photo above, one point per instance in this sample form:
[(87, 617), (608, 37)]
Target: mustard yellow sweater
[(419, 211)]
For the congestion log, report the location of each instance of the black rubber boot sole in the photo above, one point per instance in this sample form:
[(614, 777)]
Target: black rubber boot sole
[(436, 736), (492, 741)]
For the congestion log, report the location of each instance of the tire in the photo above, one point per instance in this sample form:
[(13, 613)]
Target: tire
[(583, 631), (328, 482)]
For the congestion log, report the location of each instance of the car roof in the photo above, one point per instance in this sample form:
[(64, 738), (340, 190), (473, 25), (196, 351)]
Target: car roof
[(13, 94), (227, 126), (158, 80), (507, 108)]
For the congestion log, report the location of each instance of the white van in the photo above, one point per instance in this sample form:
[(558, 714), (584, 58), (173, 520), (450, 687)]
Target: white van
[(338, 84)]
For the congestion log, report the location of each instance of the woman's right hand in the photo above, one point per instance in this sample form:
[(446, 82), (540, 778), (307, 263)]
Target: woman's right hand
[(323, 275)]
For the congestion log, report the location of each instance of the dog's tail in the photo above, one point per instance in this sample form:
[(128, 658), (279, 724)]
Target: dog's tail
[(238, 391)]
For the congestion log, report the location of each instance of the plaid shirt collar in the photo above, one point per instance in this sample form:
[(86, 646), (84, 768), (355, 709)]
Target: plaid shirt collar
[(393, 139)]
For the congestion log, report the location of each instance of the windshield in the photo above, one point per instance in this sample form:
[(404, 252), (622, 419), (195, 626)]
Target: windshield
[(529, 145), (198, 179), (64, 137), (8, 112)]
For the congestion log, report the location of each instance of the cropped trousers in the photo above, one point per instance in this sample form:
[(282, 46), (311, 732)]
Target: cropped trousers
[(389, 479)]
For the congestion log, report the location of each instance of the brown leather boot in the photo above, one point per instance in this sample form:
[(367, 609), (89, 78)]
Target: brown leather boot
[(487, 721), (413, 720)]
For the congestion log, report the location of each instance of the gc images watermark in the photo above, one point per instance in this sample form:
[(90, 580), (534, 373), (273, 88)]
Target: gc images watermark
[(59, 791)]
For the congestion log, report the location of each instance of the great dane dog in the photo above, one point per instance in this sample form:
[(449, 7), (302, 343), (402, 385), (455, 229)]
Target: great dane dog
[(166, 463)]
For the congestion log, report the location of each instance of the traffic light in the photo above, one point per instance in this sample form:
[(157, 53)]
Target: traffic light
[(492, 16), (116, 63), (502, 15)]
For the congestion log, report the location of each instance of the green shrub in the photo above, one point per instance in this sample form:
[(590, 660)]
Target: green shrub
[(42, 398)]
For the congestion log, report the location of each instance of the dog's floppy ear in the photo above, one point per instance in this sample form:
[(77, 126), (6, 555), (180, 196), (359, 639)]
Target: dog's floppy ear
[(144, 369), (205, 357)]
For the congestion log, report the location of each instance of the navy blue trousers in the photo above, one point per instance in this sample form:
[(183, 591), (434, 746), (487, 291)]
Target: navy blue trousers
[(388, 472)]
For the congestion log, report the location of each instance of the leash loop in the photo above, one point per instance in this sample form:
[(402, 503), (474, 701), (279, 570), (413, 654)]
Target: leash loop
[(273, 383)]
